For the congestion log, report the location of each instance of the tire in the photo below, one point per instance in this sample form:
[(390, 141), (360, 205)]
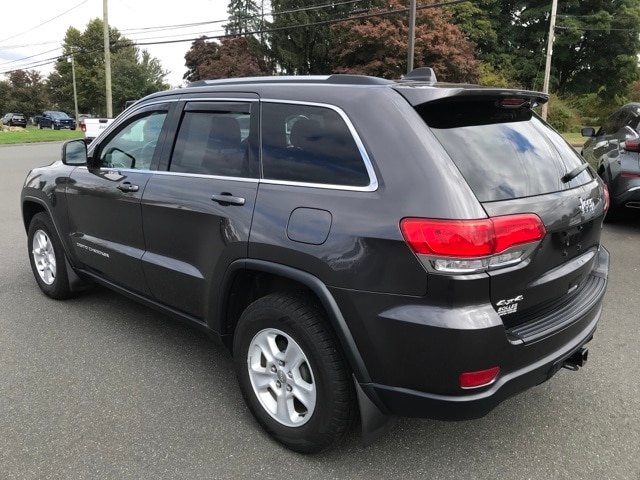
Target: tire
[(292, 373), (39, 126), (47, 257), (52, 126)]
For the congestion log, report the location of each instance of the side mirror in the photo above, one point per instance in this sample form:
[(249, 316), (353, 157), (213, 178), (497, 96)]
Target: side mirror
[(588, 132), (74, 152)]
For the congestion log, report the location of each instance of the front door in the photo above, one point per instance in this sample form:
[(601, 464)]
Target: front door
[(103, 200)]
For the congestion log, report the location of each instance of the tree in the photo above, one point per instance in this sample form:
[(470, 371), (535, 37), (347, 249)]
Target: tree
[(244, 16), (301, 44), (24, 92), (378, 45), (134, 73), (231, 58), (595, 49)]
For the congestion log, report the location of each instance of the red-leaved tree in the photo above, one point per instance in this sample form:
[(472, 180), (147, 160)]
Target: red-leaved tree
[(378, 45), (231, 58)]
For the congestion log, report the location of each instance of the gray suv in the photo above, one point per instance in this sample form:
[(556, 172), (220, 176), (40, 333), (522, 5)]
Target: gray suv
[(364, 248)]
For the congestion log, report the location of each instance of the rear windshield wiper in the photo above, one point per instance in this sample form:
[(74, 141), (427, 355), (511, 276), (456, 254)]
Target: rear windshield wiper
[(574, 173)]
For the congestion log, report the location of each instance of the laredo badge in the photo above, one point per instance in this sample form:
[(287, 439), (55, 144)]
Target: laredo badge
[(507, 307)]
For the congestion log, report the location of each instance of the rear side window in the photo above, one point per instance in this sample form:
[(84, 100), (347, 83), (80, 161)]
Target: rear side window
[(309, 144), (213, 140), (503, 153)]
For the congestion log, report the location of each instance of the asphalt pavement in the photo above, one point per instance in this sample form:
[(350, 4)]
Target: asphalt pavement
[(99, 387)]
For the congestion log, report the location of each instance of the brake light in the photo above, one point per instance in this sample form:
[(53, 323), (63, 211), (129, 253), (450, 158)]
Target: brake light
[(479, 378), (630, 175), (513, 102), (471, 238), (83, 127)]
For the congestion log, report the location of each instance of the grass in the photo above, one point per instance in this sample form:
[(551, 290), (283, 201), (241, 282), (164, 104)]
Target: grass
[(33, 135), (574, 138)]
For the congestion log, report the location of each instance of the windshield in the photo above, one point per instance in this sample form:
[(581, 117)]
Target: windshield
[(60, 115)]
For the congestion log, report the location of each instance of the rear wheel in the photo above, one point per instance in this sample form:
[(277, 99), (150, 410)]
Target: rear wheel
[(292, 373), (47, 257)]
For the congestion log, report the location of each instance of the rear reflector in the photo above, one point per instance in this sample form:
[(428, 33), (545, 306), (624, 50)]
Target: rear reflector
[(479, 378), (471, 238)]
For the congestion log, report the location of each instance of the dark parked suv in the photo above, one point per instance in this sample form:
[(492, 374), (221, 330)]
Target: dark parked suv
[(614, 152), (15, 120), (364, 247)]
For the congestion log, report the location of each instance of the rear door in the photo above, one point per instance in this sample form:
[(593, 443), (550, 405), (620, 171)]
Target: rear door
[(197, 213), (516, 164)]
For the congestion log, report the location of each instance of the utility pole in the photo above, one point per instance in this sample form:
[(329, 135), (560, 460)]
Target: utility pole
[(547, 66), (107, 58), (412, 35), (75, 91)]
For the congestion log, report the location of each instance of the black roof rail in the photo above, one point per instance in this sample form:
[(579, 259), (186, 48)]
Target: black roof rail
[(342, 79), (347, 79), (421, 74)]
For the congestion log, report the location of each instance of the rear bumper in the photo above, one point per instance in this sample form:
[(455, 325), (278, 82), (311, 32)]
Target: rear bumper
[(415, 353), (412, 403)]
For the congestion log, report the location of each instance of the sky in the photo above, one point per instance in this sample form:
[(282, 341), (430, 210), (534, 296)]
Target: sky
[(32, 32)]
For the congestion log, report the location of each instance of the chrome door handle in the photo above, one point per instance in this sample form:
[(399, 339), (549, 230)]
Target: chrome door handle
[(128, 187), (226, 198)]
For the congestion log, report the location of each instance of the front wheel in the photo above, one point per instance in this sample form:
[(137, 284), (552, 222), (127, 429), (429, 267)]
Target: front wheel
[(292, 373), (39, 126), (47, 257)]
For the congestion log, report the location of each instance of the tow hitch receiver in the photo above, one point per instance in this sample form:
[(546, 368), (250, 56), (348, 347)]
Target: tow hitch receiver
[(577, 360)]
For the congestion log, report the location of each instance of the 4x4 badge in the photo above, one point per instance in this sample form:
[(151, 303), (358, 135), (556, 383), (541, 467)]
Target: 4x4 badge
[(509, 306), (587, 206)]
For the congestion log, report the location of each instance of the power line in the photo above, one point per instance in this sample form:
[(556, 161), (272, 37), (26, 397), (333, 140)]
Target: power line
[(44, 23), (276, 29)]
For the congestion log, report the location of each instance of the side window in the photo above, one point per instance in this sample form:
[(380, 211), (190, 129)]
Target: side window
[(609, 125), (310, 144), (214, 142), (134, 145), (621, 121)]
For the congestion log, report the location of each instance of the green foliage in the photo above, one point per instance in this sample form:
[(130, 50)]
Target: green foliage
[(491, 77), (244, 16), (25, 92), (562, 116), (300, 44), (134, 73)]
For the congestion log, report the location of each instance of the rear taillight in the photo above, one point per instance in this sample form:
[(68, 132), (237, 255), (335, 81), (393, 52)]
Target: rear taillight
[(83, 127), (472, 245), (632, 145)]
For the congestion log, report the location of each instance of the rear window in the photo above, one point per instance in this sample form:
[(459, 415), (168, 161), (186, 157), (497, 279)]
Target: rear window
[(503, 153), (310, 144)]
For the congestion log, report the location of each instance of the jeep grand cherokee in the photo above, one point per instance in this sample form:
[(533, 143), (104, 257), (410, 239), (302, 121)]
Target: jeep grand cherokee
[(364, 247)]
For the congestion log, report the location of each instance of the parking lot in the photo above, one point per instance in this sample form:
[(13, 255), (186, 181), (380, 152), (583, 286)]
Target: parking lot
[(101, 387)]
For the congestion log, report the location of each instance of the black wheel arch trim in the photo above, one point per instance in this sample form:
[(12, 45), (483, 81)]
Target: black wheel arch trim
[(336, 318), (33, 199)]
